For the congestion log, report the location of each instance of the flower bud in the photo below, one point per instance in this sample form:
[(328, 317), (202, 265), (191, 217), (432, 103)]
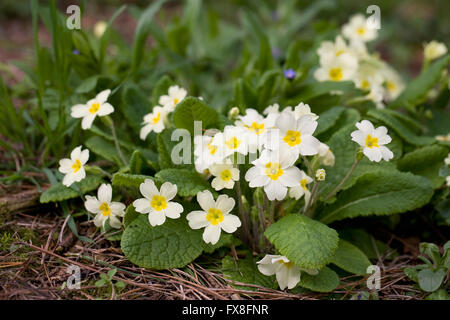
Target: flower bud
[(320, 175)]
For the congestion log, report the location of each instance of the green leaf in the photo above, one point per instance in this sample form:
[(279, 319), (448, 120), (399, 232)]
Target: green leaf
[(193, 109), (246, 271), (59, 192), (425, 162), (226, 239), (430, 280), (171, 245), (307, 243), (244, 95), (399, 127), (87, 85), (439, 295), (130, 215), (135, 105), (381, 192), (370, 246), (189, 182), (266, 88), (326, 281), (417, 90), (315, 89), (350, 258), (328, 119), (412, 273), (140, 165), (129, 180)]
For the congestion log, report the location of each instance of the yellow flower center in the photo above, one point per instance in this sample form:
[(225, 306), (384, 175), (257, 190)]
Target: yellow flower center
[(214, 216), (256, 128), (76, 166), (292, 138), (156, 119), (336, 74), (212, 149), (233, 143), (365, 84), (303, 183), (105, 209), (390, 85), (158, 203), (361, 31), (339, 52), (286, 264), (175, 101), (273, 170), (371, 142), (225, 175), (94, 107)]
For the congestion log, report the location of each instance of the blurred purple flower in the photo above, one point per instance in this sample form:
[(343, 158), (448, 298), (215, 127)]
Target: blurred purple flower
[(289, 74), (276, 52), (75, 51)]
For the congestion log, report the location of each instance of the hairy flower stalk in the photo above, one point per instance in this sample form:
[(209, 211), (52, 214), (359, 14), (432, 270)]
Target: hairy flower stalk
[(244, 215), (341, 184), (110, 122)]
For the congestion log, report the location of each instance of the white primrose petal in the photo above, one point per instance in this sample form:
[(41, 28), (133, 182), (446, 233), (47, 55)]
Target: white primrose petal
[(76, 153), (217, 183), (99, 220), (259, 181), (105, 109), (359, 137), (197, 219), (79, 111), (374, 154), (307, 125), (142, 205), (65, 166), (230, 223), (205, 200), (282, 276), (92, 204), (275, 191), (290, 177), (156, 218), (168, 190), (117, 209), (386, 153), (225, 203), (145, 130), (148, 189), (69, 179), (173, 210), (212, 234), (309, 146), (286, 121), (103, 96), (293, 277), (365, 126), (84, 156), (87, 121), (114, 222), (105, 193)]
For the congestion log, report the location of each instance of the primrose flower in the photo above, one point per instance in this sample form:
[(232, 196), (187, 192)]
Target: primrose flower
[(447, 160), (214, 217), (100, 28), (433, 50), (301, 188), (174, 96), (303, 109), (232, 139), (225, 176), (329, 50), (154, 121), (372, 140), (286, 272), (273, 108), (93, 108), (205, 153), (393, 83), (274, 171), (295, 136), (443, 138), (104, 208), (340, 68), (73, 168), (256, 127), (357, 29), (157, 203)]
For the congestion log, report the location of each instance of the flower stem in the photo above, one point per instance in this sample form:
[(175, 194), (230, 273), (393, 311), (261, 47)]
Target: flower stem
[(242, 213), (311, 199), (116, 141), (339, 186)]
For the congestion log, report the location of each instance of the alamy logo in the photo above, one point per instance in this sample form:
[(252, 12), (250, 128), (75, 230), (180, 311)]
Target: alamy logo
[(74, 20), (374, 281), (74, 281)]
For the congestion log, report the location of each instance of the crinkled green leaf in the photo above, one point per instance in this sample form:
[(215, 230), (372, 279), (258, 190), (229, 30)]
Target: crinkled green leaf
[(140, 165), (328, 118), (193, 109), (130, 215), (129, 180), (59, 192), (135, 105), (381, 192), (307, 243), (171, 245), (246, 271), (350, 258), (425, 162), (326, 281), (189, 182), (105, 149)]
